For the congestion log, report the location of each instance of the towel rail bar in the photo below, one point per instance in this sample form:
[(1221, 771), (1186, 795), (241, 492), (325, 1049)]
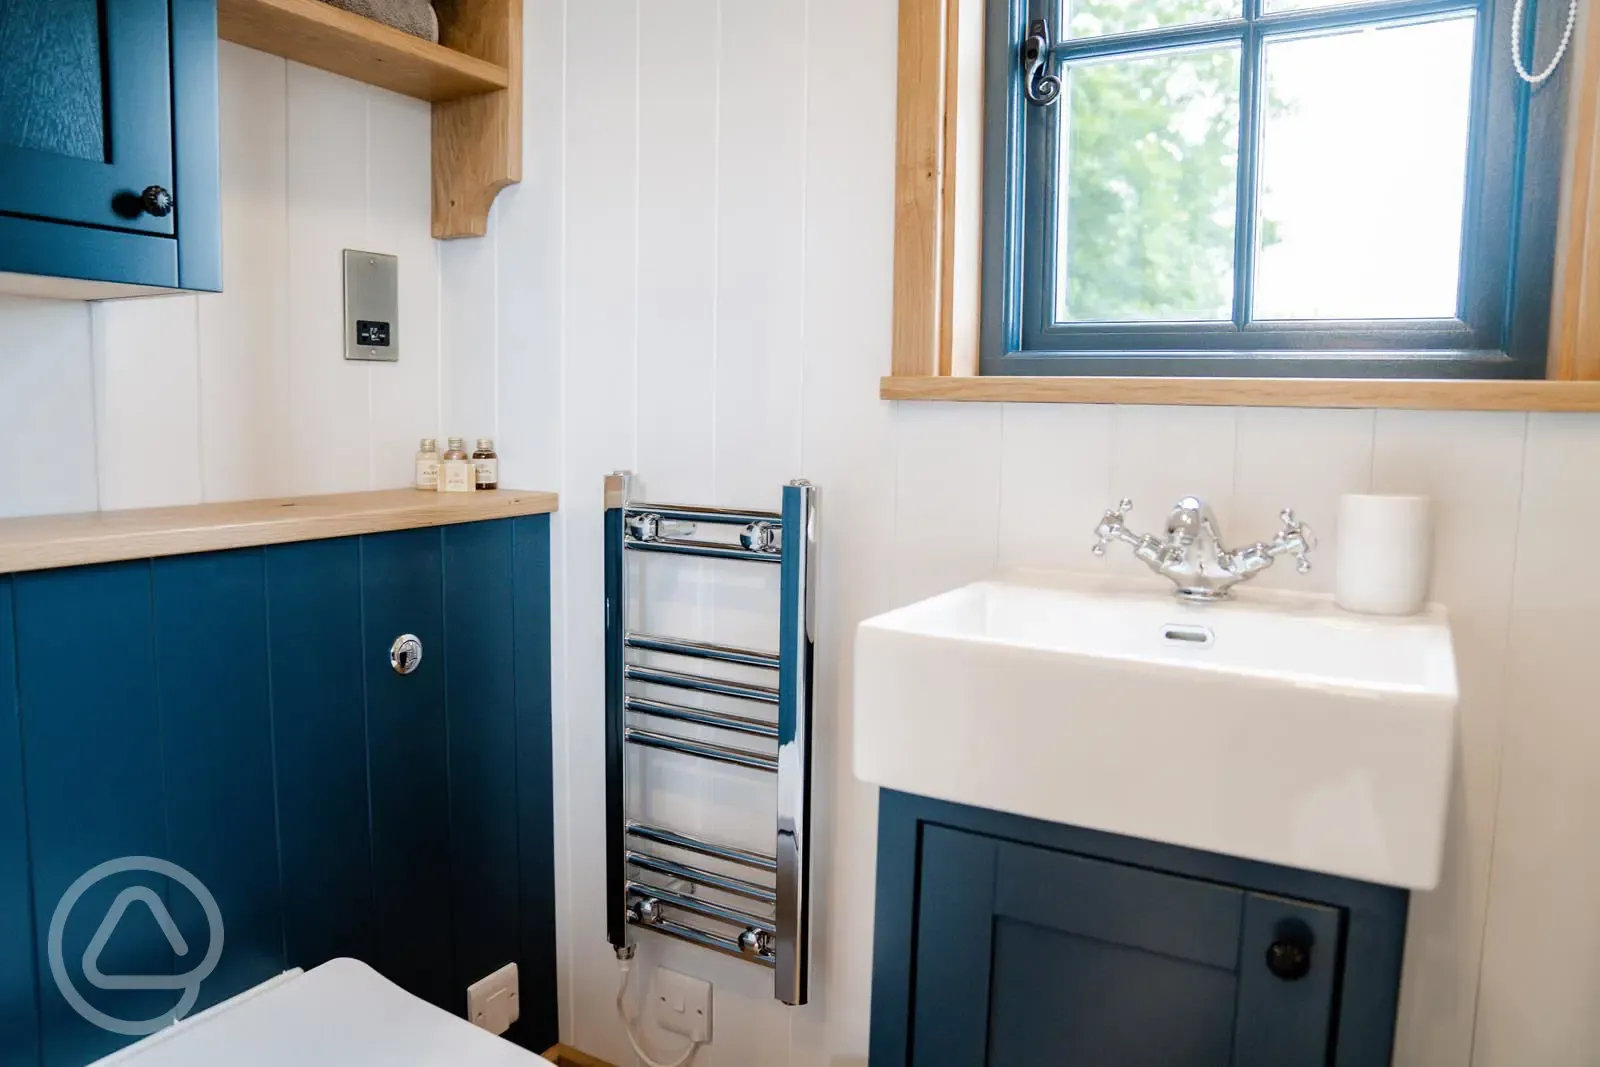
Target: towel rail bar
[(738, 724), (709, 549), (700, 650), (706, 909), (689, 513), (763, 694), (707, 750), (725, 945), (699, 876), (743, 857)]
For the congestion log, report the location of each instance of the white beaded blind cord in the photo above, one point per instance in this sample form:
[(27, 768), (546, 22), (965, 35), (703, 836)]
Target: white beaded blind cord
[(1517, 18)]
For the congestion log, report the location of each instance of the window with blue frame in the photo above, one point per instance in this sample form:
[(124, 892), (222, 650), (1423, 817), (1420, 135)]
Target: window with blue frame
[(1269, 188)]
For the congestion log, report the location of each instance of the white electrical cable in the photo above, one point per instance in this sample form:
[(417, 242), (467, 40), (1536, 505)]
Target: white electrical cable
[(1517, 17), (628, 1022)]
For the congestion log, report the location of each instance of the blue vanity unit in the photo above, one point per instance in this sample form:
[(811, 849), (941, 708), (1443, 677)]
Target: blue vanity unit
[(239, 705), (1124, 829)]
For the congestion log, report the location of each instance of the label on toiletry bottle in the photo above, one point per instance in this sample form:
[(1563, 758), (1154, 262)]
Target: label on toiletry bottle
[(457, 476), (488, 473), (427, 474)]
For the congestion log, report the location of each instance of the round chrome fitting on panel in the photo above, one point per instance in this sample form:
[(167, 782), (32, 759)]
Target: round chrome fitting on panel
[(405, 655)]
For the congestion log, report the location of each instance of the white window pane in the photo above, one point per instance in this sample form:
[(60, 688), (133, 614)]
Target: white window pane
[(1147, 189), (1363, 173), (1096, 18)]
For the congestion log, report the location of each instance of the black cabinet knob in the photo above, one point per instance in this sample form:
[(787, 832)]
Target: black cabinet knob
[(1289, 959), (156, 202)]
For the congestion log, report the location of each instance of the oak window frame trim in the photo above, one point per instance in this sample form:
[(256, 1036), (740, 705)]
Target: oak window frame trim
[(938, 262)]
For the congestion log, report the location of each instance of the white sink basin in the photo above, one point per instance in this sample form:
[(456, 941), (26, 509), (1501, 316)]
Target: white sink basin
[(1273, 727)]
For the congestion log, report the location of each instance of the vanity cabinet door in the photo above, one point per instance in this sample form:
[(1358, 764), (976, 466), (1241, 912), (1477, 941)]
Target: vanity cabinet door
[(1028, 957)]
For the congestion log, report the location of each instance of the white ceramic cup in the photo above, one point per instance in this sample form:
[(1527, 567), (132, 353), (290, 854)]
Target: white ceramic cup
[(1384, 561)]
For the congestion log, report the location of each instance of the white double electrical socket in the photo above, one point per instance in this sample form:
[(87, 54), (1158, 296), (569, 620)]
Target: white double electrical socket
[(681, 1005), (493, 1003)]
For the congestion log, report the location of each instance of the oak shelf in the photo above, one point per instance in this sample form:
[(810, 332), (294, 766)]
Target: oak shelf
[(473, 79), (49, 541), (320, 35)]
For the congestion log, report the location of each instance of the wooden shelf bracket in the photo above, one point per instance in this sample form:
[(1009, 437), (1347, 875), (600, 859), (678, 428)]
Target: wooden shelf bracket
[(477, 140)]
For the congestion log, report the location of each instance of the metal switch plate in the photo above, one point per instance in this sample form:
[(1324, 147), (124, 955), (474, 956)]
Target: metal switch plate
[(371, 306)]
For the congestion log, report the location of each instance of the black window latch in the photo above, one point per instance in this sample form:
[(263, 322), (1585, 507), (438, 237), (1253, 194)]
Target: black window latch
[(1039, 85)]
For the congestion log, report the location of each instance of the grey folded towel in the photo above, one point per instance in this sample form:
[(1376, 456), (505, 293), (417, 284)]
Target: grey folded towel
[(415, 17)]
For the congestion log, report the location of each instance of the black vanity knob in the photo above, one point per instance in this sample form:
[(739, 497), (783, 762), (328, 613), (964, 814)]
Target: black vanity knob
[(156, 201), (1289, 959)]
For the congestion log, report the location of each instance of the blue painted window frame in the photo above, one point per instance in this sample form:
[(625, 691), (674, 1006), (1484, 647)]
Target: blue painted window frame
[(1501, 329)]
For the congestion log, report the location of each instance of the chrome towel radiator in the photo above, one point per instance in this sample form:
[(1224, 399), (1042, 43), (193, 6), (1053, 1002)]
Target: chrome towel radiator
[(787, 540)]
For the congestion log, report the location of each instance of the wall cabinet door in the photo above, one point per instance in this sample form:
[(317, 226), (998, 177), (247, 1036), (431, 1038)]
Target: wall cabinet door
[(85, 111), (100, 101), (1031, 957)]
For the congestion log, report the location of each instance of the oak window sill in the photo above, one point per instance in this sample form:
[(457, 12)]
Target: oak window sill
[(1253, 392)]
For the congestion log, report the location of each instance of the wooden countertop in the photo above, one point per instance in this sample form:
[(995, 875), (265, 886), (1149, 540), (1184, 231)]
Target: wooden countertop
[(46, 542)]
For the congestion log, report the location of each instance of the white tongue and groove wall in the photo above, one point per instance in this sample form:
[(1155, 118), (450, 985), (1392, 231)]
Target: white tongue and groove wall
[(174, 400), (694, 282)]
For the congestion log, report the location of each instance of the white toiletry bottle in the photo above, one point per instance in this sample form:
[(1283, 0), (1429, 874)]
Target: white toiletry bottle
[(428, 465)]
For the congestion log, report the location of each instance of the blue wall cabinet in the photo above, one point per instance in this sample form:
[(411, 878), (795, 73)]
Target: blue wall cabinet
[(1009, 942), (236, 713), (108, 141)]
